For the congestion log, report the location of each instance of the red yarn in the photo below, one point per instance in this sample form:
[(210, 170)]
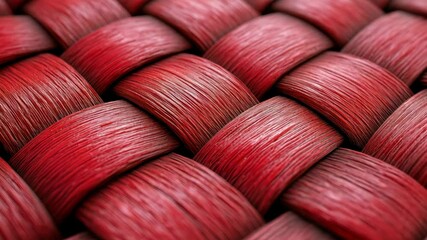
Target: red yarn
[(266, 148), (289, 226), (36, 93), (4, 9), (21, 36), (192, 95), (82, 236), (397, 42), (340, 19), (423, 79), (357, 196), (417, 7), (112, 51), (380, 3), (260, 51), (133, 6), (70, 20), (170, 198), (15, 4), (84, 150), (204, 22), (355, 94), (402, 139), (259, 5), (21, 213)]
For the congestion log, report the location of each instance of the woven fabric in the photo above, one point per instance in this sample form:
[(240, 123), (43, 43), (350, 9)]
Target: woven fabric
[(213, 119)]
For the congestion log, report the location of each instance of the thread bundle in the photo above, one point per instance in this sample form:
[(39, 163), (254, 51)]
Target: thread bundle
[(84, 150), (21, 36), (70, 20), (383, 43), (109, 53), (133, 6), (261, 162), (36, 93), (169, 198), (340, 19), (263, 49), (402, 139), (192, 95), (357, 196), (416, 7), (354, 94), (4, 8), (202, 22)]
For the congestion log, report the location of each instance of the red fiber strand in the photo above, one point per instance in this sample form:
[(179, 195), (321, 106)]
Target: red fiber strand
[(22, 214), (289, 226), (416, 7), (262, 50), (4, 8), (423, 80), (259, 5), (340, 19), (70, 20), (112, 51), (15, 4), (82, 236), (380, 3), (402, 139), (354, 94), (204, 22), (397, 42), (36, 93), (133, 6), (266, 148), (192, 95), (83, 150), (169, 198), (357, 196), (21, 36)]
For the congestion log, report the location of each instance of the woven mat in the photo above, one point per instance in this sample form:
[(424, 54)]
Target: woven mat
[(213, 119)]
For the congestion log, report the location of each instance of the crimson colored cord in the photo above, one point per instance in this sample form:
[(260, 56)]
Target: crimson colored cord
[(417, 7), (423, 79), (259, 5), (380, 3), (289, 226), (263, 150), (112, 51), (133, 6), (262, 50), (203, 22), (339, 19), (170, 198), (82, 236), (4, 8), (357, 196), (355, 94), (36, 93), (402, 139), (70, 20), (384, 43), (84, 150), (192, 95), (21, 36), (22, 214)]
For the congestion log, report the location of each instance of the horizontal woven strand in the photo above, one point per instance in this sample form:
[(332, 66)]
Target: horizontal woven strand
[(266, 148), (192, 95), (261, 50), (113, 51), (83, 150), (354, 94), (170, 198), (357, 196), (36, 93)]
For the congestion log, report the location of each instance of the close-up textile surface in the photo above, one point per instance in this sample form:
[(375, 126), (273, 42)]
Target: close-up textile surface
[(213, 119)]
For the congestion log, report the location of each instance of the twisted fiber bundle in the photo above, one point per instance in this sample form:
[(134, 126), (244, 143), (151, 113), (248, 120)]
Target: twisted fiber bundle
[(21, 36), (22, 216), (397, 42), (260, 51), (402, 139), (357, 196), (36, 93), (133, 6), (417, 7), (192, 95), (266, 148), (112, 51), (259, 5), (169, 198), (4, 8), (355, 94), (84, 150), (340, 19), (289, 226), (70, 20), (82, 236), (203, 22)]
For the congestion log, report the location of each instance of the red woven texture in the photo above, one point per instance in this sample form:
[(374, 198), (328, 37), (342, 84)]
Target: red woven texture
[(256, 97)]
